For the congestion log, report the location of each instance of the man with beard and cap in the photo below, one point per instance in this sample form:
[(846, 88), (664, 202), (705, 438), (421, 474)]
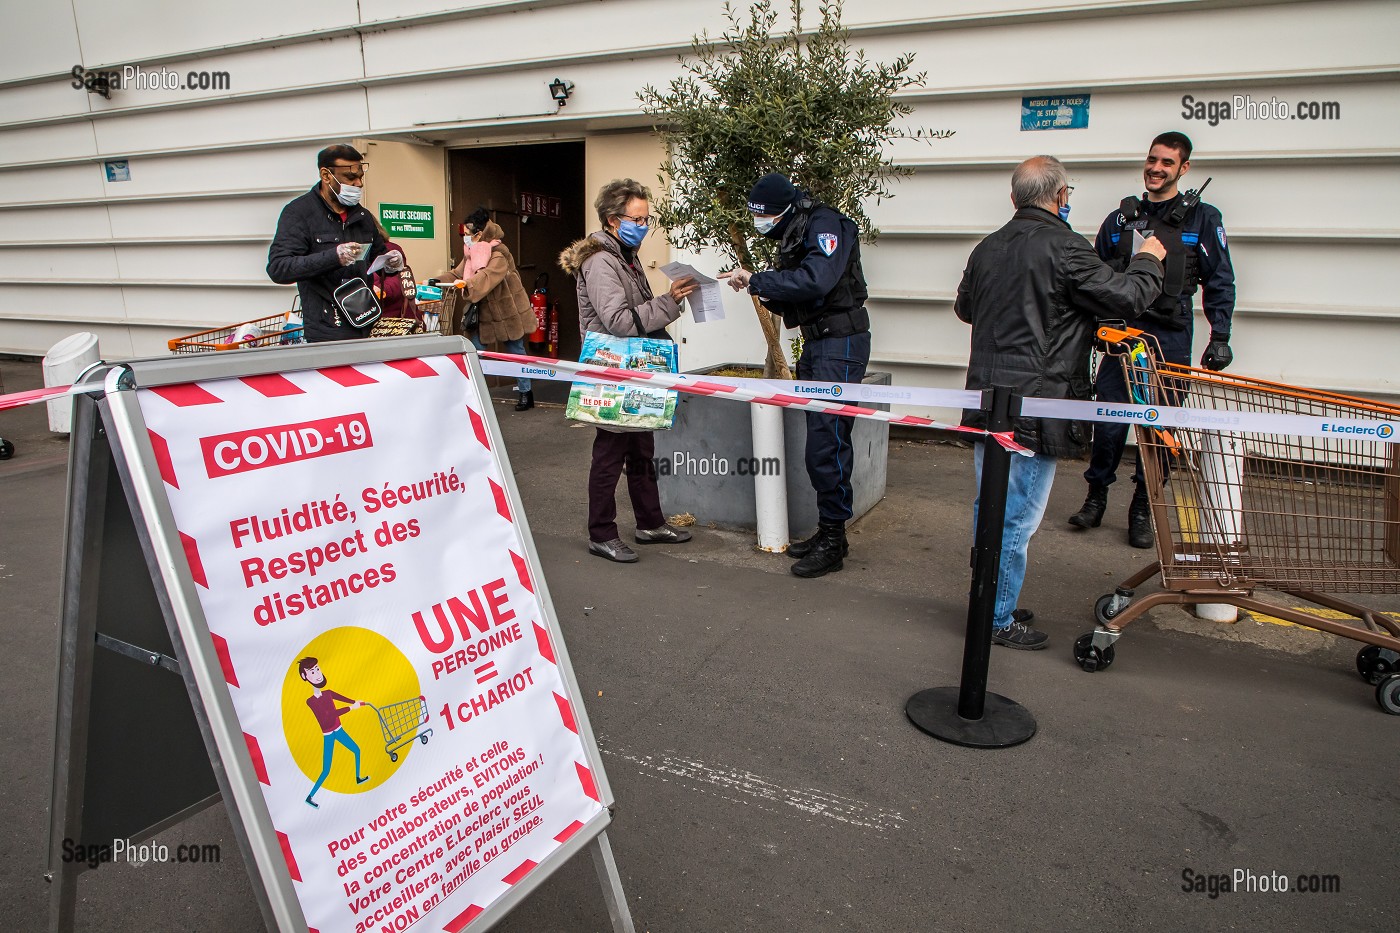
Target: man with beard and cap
[(817, 285), (1193, 233), (322, 703)]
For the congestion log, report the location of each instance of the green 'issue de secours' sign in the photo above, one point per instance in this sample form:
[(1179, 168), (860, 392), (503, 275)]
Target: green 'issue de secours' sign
[(407, 220)]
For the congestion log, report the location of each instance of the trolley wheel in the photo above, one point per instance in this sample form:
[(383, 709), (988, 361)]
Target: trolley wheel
[(1375, 663), (1388, 694), (7, 450), (393, 756), (1091, 659), (423, 739), (1108, 606)]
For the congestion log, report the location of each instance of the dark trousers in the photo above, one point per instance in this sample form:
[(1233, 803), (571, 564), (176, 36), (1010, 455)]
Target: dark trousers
[(829, 454), (613, 453), (1110, 386)]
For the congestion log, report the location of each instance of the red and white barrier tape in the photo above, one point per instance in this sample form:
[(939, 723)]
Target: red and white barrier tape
[(733, 389)]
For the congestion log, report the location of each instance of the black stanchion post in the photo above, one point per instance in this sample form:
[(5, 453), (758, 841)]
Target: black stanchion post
[(969, 715)]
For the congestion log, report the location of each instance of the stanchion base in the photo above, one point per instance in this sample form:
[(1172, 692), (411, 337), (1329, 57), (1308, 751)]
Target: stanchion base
[(1004, 722)]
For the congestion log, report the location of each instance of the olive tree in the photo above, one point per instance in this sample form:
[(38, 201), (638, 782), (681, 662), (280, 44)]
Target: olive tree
[(758, 99)]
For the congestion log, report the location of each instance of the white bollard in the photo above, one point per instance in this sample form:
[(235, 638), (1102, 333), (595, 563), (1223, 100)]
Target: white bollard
[(1217, 612), (64, 362), (770, 492)]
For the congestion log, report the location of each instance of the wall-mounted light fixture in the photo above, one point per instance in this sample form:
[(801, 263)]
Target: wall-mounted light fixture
[(560, 90)]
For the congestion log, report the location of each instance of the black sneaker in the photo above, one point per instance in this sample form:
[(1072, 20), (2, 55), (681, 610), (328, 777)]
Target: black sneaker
[(1019, 635)]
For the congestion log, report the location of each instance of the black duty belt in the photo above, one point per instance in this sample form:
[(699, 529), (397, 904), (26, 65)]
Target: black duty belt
[(837, 324)]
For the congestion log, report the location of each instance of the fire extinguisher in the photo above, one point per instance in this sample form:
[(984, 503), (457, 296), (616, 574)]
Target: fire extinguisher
[(539, 301), (553, 348)]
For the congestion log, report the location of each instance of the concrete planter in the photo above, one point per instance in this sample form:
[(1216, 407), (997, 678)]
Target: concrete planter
[(706, 463)]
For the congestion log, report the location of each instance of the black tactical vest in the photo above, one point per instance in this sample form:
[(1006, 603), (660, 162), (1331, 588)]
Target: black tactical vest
[(850, 291), (1182, 265)]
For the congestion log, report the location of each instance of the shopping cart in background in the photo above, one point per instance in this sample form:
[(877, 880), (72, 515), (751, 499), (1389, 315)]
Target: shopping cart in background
[(1239, 510), (443, 310), (271, 331), (401, 723)]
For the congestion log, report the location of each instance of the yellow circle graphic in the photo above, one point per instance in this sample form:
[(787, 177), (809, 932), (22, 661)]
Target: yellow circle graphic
[(357, 666)]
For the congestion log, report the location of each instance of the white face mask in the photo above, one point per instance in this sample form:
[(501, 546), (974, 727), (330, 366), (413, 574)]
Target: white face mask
[(766, 224), (349, 195)]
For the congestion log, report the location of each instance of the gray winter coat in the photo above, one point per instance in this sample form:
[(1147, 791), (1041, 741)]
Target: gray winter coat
[(608, 286)]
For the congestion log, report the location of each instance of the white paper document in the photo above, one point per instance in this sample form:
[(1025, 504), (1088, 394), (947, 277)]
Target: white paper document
[(377, 264), (705, 303)]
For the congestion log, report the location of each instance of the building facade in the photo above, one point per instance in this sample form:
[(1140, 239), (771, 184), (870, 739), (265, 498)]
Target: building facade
[(146, 213)]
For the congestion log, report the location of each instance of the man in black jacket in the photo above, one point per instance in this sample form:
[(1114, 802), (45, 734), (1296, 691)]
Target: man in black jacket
[(1032, 292), (320, 240)]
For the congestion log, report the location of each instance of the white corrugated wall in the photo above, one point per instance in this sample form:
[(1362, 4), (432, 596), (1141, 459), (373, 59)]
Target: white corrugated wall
[(182, 245)]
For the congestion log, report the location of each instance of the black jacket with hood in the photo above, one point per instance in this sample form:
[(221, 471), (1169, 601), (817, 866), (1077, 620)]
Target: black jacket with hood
[(1033, 292)]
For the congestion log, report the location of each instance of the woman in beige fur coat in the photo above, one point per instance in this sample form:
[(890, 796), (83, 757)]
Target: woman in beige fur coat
[(493, 281)]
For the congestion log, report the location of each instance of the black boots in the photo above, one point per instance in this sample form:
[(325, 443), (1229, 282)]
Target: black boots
[(526, 402), (821, 553), (1090, 514), (1140, 520), (799, 549)]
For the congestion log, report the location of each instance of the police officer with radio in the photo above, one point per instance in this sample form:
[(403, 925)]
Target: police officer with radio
[(817, 286), (1193, 233)]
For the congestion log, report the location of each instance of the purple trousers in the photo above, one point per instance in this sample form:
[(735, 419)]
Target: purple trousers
[(613, 454)]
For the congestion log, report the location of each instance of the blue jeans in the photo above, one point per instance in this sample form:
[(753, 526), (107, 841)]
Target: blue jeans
[(327, 752), (1027, 494), (511, 346)]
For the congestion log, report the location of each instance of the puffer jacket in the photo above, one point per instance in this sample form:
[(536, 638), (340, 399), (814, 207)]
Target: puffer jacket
[(505, 308), (1033, 292), (611, 284)]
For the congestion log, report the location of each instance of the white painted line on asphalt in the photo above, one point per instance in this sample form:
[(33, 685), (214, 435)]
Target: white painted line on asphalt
[(814, 802)]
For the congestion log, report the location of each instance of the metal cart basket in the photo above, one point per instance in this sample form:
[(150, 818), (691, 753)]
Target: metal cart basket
[(401, 723), (272, 331), (1238, 510), (446, 310)]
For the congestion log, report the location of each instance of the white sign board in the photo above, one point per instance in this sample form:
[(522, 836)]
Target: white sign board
[(375, 612)]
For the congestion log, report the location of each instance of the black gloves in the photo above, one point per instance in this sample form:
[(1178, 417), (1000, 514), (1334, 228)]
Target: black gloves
[(1217, 355)]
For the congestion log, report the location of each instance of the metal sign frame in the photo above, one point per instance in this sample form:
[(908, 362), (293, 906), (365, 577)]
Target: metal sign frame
[(110, 441)]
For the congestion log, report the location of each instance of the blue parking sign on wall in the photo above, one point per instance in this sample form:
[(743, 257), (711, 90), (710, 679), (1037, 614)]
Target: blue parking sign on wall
[(1055, 113)]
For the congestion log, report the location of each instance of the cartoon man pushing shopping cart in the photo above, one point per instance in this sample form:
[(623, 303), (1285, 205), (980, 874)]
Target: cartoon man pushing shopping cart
[(323, 704)]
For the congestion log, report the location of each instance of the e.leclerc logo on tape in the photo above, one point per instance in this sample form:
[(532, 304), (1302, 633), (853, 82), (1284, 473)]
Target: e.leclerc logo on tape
[(1149, 415), (1384, 430), (834, 391)]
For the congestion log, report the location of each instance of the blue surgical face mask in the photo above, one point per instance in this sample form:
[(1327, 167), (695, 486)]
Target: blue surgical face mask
[(631, 232), (1064, 213), (349, 195)]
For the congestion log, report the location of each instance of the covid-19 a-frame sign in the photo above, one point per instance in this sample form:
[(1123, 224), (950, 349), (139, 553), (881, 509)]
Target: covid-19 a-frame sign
[(300, 580)]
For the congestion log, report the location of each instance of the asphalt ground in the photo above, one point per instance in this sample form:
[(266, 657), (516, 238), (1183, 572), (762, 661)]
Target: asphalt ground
[(754, 733)]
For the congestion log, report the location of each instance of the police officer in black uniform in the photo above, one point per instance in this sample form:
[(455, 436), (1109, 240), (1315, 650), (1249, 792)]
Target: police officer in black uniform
[(1193, 233), (817, 286)]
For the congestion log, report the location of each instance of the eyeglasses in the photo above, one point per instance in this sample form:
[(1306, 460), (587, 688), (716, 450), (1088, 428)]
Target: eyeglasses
[(1069, 189), (639, 221), (350, 173)]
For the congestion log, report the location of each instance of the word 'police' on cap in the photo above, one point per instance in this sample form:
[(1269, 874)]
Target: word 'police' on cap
[(772, 194)]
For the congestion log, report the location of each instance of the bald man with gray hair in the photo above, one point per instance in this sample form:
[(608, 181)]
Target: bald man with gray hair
[(1034, 292)]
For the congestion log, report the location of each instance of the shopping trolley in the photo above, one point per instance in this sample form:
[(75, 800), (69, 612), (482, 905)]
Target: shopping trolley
[(271, 331), (444, 309), (1237, 510), (402, 723)]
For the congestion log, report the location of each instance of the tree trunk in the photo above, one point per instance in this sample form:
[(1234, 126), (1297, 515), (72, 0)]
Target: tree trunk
[(775, 366)]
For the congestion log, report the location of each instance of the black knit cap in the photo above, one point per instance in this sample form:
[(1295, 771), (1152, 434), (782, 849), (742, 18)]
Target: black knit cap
[(478, 219), (772, 194)]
